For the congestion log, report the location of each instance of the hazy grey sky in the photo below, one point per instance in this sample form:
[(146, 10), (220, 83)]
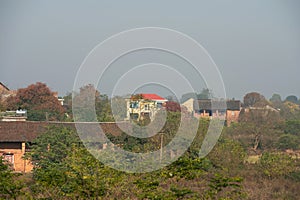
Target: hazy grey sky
[(255, 44)]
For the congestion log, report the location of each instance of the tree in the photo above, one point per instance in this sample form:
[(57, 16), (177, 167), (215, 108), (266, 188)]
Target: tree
[(290, 111), (173, 106), (48, 152), (39, 101), (292, 98), (254, 99), (205, 94), (276, 100), (228, 155), (288, 141), (276, 165), (258, 124), (87, 97), (119, 106), (292, 127), (9, 188)]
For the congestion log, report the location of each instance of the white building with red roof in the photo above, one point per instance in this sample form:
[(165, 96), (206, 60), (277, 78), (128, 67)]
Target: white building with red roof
[(141, 106)]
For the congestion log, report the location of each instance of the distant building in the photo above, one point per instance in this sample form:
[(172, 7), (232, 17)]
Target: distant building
[(142, 106), (5, 91), (61, 100), (229, 109), (12, 116)]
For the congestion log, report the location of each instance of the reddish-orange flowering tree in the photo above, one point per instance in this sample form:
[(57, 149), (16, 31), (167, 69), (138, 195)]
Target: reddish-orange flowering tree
[(40, 102)]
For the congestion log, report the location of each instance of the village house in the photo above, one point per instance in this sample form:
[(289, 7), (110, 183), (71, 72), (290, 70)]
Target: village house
[(142, 106), (5, 92), (229, 109), (16, 138), (10, 116)]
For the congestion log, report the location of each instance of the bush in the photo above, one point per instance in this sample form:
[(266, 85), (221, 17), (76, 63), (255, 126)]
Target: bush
[(9, 188), (288, 141), (292, 127), (276, 165)]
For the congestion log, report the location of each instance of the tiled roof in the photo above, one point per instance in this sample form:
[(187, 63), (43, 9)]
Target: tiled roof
[(206, 104), (27, 131), (153, 97)]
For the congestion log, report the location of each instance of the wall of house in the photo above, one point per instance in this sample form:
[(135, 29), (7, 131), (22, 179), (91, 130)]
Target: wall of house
[(189, 104), (14, 152), (232, 116), (14, 131), (144, 106)]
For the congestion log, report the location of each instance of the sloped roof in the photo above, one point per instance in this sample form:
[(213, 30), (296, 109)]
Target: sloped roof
[(206, 104), (4, 86), (27, 131), (153, 97), (234, 105)]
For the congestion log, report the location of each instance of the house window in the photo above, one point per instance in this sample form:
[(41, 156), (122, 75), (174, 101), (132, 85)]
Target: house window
[(134, 105), (146, 107), (134, 116), (232, 113), (9, 157)]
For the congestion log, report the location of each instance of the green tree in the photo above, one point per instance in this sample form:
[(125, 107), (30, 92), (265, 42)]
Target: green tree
[(47, 155), (228, 155), (9, 187), (292, 127), (292, 98), (276, 100), (288, 141), (275, 165)]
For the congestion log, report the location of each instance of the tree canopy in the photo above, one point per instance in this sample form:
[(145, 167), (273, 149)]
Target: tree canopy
[(254, 99), (39, 101)]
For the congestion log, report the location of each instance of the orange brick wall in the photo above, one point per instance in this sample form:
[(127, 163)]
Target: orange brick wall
[(19, 165), (232, 116), (27, 128)]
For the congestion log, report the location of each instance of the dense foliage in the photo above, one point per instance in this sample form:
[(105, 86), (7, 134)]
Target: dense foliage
[(40, 102), (256, 158)]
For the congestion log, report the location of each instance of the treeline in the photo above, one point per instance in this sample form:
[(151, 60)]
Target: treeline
[(42, 104), (234, 169)]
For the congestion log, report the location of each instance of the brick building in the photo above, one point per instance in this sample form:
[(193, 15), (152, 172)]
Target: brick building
[(16, 137), (228, 110)]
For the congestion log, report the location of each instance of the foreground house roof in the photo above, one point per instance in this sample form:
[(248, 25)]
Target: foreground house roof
[(27, 131)]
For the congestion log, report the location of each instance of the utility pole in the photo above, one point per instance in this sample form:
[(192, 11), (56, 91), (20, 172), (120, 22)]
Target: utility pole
[(161, 146)]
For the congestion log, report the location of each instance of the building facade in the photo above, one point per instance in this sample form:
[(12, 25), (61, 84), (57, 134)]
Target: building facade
[(228, 110), (143, 106), (16, 138)]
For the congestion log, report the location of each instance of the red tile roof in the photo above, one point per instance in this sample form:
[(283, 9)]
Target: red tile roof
[(153, 97)]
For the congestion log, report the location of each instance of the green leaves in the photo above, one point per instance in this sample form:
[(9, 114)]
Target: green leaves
[(222, 187), (275, 164), (9, 187)]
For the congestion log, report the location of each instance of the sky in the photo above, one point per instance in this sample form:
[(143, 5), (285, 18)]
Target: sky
[(255, 44)]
